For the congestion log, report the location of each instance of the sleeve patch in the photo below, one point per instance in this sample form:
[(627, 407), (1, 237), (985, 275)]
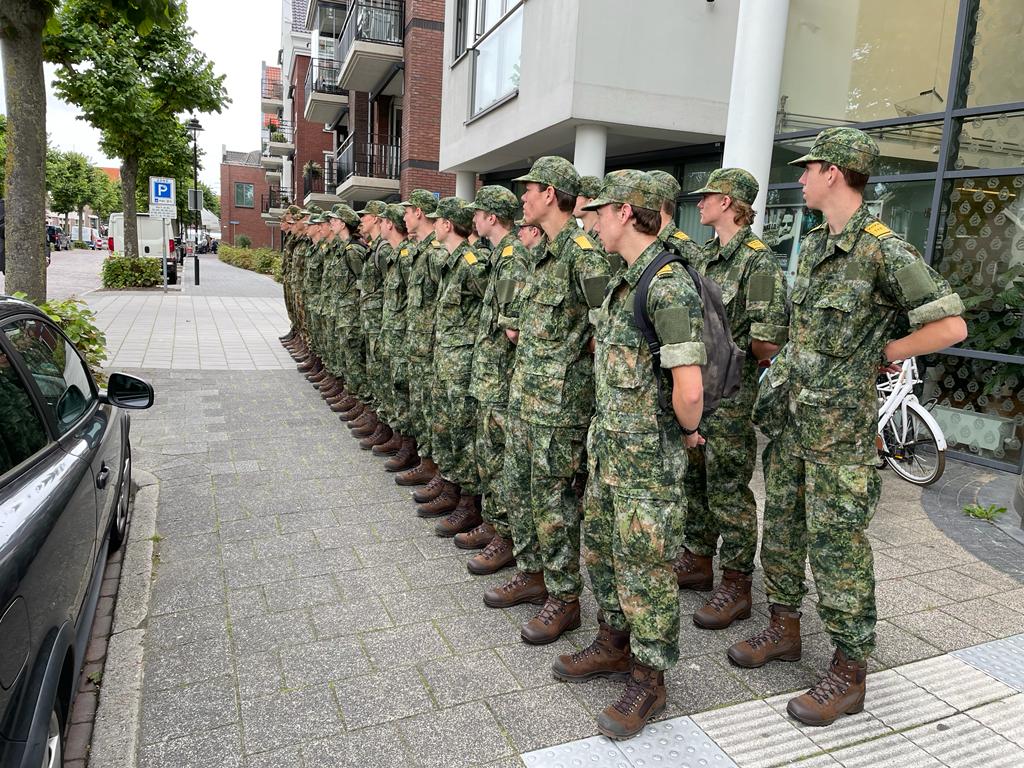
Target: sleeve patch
[(470, 257), (404, 252), (915, 282), (593, 290), (672, 325), (505, 291), (583, 242), (508, 250), (761, 287), (680, 235), (878, 229), (666, 270), (757, 245)]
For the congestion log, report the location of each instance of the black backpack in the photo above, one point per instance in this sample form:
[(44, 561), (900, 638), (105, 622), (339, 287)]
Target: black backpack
[(723, 372)]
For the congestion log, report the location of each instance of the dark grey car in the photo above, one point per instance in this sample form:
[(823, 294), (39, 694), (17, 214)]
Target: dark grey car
[(65, 485)]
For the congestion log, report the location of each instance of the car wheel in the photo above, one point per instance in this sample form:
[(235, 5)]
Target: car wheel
[(53, 750), (119, 525)]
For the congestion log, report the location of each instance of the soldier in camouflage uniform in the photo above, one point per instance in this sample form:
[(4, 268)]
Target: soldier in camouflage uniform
[(552, 398), (671, 235), (459, 299), (300, 243), (719, 499), (590, 187), (494, 210), (312, 278), (634, 503), (287, 240), (332, 287), (533, 238), (857, 283)]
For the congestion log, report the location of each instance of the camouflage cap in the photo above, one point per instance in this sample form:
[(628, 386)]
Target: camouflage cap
[(734, 182), (316, 214), (522, 223), (667, 182), (455, 210), (846, 147), (345, 213), (294, 210), (394, 213), (628, 186), (590, 187), (373, 208), (495, 199), (557, 172), (422, 199)]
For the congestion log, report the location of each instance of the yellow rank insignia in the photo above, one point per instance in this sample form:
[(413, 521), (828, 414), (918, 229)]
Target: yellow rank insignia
[(508, 250), (757, 245), (470, 257), (878, 229), (584, 242), (666, 270), (680, 235), (404, 252)]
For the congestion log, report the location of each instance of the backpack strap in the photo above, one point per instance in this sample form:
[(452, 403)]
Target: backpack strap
[(643, 320)]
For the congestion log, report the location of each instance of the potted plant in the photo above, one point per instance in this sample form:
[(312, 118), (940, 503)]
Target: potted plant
[(312, 170), (277, 136)]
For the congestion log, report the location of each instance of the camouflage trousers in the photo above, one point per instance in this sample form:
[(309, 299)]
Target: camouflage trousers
[(395, 394), (421, 375), (719, 501), (289, 303), (821, 512), (453, 418), (351, 352), (374, 366), (490, 461), (630, 538), (540, 464)]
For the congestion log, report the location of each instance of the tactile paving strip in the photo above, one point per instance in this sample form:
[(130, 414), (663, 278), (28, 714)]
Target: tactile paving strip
[(1002, 659), (679, 743), (595, 752)]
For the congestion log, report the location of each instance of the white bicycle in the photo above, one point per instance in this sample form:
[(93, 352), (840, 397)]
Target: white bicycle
[(909, 441)]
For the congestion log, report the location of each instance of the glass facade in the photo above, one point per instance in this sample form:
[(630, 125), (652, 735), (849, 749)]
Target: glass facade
[(937, 84)]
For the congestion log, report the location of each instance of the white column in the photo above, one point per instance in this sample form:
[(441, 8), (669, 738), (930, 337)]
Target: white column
[(754, 95), (465, 185), (591, 147)]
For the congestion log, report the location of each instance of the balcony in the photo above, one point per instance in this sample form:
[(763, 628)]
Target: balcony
[(318, 185), (274, 178), (271, 92), (371, 43), (274, 203), (280, 138), (269, 161), (324, 97), (368, 171)]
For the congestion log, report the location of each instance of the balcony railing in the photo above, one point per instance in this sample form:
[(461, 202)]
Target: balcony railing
[(279, 131), (319, 181), (271, 87), (374, 160), (372, 21), (275, 198), (322, 77)]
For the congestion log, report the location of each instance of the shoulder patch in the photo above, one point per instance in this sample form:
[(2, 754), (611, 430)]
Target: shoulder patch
[(666, 270), (680, 235), (879, 230), (404, 252), (508, 250), (583, 242), (757, 245), (470, 257)]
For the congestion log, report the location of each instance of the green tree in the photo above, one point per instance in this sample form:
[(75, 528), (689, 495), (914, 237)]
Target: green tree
[(131, 88), (71, 185), (22, 25), (106, 196), (211, 200)]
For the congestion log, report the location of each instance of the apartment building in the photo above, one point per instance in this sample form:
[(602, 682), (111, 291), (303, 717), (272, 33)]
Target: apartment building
[(687, 86), (243, 184), (352, 110)]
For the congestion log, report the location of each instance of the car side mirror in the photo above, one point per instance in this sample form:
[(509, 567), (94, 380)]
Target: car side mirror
[(126, 391)]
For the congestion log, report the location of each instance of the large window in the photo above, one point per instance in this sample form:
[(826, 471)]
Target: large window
[(492, 31), (244, 195)]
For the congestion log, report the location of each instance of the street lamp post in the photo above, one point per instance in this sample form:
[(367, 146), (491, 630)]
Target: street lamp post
[(194, 128)]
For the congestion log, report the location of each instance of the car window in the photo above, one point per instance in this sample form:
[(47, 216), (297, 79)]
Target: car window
[(56, 368), (22, 432)]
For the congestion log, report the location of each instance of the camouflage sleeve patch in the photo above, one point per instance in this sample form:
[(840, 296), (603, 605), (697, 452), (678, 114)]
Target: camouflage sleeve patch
[(914, 281), (672, 325), (505, 291), (912, 285), (760, 287), (593, 290)]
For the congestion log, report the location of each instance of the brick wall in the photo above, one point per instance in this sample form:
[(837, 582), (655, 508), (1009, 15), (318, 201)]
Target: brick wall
[(311, 141), (250, 222), (421, 108)]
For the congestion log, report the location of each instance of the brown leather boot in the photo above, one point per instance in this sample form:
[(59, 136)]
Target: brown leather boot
[(607, 656), (555, 617), (430, 491), (495, 556), (463, 518), (312, 362), (353, 413), (340, 397), (522, 588), (317, 375), (379, 436), (421, 474), (324, 382), (332, 391), (731, 601), (447, 501), (389, 447), (405, 459), (779, 640), (337, 406), (643, 698), (369, 425), (693, 571), (364, 417), (478, 538), (839, 692)]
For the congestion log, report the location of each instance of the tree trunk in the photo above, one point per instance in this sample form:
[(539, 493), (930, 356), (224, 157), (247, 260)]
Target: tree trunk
[(21, 27), (129, 178), (81, 226)]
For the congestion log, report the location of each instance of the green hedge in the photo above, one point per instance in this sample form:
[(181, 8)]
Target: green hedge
[(262, 260), (121, 272)]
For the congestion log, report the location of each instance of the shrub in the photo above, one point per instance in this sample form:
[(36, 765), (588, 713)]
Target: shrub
[(122, 272), (277, 136), (73, 316), (262, 260), (244, 241), (79, 244)]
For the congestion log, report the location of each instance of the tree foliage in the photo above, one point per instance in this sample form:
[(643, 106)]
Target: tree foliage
[(70, 180)]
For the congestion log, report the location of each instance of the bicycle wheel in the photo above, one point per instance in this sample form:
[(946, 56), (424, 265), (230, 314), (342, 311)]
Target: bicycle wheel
[(914, 453)]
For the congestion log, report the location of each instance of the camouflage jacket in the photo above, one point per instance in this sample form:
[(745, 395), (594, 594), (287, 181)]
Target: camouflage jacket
[(396, 279), (371, 285), (553, 376), (494, 353), (427, 267), (675, 240), (346, 287), (287, 248), (851, 295), (636, 444), (316, 254), (298, 268)]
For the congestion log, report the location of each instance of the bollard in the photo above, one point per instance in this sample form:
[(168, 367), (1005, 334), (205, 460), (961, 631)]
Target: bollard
[(196, 256)]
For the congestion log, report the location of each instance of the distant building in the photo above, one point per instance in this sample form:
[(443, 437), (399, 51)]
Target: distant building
[(243, 183)]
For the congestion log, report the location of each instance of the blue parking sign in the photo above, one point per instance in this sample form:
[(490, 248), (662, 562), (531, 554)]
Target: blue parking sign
[(162, 198)]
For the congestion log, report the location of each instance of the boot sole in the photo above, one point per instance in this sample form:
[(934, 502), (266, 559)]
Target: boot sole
[(766, 661), (489, 571), (469, 548), (589, 676), (547, 641), (426, 515), (856, 709), (539, 600), (408, 483), (398, 469), (697, 587), (715, 627), (655, 711)]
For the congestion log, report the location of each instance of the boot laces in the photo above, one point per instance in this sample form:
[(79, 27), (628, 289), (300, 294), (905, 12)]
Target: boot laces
[(683, 564), (831, 685), (771, 634), (550, 610), (727, 592), (593, 649), (517, 581), (493, 548), (631, 697)]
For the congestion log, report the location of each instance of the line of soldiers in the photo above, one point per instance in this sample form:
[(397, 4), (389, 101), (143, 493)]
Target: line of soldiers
[(500, 367)]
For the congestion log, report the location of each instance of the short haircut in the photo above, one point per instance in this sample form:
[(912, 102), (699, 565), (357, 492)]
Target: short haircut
[(669, 208), (645, 221), (460, 230), (854, 179), (566, 202)]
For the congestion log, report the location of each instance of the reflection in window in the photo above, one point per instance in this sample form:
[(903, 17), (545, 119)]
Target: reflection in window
[(21, 429), (244, 195), (996, 141), (496, 71), (994, 54), (861, 60)]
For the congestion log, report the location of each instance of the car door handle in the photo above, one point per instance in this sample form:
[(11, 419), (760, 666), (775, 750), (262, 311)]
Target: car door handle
[(101, 478)]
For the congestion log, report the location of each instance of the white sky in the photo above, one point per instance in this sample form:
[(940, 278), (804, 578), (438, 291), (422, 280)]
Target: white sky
[(236, 35)]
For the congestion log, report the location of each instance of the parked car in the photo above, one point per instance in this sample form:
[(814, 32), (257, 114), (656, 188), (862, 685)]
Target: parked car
[(57, 239), (65, 485), (99, 242)]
